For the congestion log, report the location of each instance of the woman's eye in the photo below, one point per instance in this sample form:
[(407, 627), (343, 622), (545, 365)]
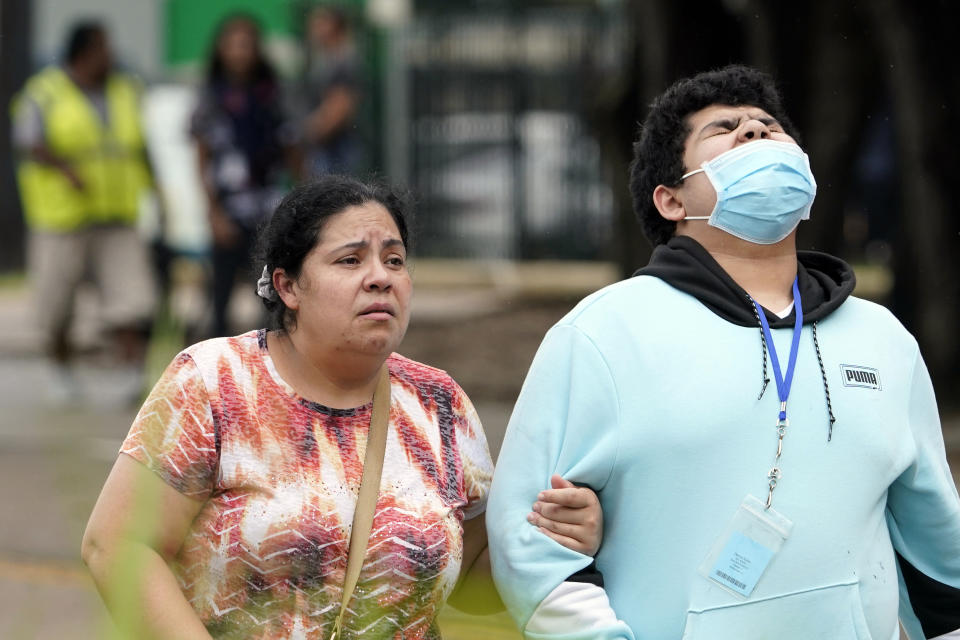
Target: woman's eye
[(349, 260), (396, 261)]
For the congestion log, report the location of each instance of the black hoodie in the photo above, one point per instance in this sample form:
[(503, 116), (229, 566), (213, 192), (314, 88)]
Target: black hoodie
[(824, 281)]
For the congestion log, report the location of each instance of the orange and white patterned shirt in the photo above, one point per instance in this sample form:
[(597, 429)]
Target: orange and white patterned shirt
[(278, 476)]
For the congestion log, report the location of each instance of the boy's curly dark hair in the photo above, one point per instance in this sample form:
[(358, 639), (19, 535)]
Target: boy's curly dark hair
[(658, 151), (295, 227)]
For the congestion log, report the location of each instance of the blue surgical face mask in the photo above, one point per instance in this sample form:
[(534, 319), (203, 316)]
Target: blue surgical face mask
[(764, 189)]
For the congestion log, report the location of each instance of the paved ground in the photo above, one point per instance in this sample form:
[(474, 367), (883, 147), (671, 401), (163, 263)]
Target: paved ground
[(53, 461)]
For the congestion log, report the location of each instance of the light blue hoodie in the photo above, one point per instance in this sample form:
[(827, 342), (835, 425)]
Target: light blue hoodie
[(650, 396)]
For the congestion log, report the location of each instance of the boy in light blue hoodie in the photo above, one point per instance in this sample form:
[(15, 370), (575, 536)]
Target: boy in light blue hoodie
[(766, 447)]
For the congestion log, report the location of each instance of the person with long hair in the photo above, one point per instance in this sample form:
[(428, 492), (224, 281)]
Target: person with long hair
[(246, 150)]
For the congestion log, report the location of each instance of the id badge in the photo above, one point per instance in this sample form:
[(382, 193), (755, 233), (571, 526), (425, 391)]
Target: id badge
[(741, 555)]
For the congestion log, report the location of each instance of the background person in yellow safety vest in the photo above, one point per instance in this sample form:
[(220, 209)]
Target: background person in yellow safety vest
[(83, 170)]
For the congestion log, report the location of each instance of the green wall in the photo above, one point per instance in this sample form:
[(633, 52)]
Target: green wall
[(189, 25)]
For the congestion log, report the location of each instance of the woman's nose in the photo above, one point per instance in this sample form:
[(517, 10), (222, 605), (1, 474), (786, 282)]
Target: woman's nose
[(754, 130), (378, 277)]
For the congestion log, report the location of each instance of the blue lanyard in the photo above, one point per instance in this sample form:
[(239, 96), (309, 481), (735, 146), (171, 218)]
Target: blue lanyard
[(784, 380)]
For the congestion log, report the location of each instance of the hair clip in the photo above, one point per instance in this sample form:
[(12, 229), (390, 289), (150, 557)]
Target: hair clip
[(265, 286)]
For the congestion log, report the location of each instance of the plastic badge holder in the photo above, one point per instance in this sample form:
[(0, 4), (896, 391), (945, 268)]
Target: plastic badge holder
[(751, 540)]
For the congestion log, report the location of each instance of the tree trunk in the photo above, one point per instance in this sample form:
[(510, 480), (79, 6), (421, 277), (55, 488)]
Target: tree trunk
[(928, 261)]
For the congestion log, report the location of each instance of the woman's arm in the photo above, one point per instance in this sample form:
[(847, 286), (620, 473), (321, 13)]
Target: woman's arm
[(135, 530), (223, 230), (569, 514), (475, 592), (332, 114)]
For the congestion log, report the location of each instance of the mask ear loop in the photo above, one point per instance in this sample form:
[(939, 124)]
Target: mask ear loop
[(684, 177)]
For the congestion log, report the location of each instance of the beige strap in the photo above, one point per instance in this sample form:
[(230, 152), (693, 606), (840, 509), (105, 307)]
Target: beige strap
[(367, 496)]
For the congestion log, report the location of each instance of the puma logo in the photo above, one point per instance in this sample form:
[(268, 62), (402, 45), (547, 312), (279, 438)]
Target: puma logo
[(856, 376)]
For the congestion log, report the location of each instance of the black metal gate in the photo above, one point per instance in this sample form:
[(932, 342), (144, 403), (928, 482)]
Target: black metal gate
[(498, 150)]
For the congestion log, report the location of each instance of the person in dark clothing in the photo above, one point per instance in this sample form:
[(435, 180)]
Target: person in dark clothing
[(247, 153), (333, 89)]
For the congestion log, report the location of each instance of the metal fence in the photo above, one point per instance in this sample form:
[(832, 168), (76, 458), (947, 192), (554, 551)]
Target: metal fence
[(497, 149)]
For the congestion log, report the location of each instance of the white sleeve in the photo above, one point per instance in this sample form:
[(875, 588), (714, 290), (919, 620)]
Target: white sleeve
[(27, 125), (573, 605)]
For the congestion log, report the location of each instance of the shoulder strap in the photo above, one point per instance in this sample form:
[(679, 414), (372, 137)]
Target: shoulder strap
[(369, 489)]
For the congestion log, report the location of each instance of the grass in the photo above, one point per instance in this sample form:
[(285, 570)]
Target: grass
[(455, 625), (166, 341), (12, 279)]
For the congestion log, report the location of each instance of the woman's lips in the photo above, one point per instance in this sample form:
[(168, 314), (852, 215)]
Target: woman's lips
[(378, 312)]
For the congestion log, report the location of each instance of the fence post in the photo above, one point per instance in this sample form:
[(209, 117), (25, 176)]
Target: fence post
[(14, 67)]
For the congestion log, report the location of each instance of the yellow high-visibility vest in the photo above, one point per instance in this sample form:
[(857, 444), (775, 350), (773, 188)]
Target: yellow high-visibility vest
[(107, 157)]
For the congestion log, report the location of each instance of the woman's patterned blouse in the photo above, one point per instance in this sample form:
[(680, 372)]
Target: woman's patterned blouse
[(278, 477)]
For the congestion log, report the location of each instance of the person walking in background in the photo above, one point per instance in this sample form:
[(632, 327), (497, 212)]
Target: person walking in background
[(246, 151), (82, 172), (333, 91)]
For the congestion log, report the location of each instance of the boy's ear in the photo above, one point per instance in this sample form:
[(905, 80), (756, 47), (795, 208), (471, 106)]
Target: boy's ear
[(669, 202)]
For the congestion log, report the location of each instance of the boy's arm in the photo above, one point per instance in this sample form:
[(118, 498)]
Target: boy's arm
[(566, 422), (923, 514)]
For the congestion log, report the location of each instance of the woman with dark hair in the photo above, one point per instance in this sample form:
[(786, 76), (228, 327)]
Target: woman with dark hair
[(246, 151), (232, 500)]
